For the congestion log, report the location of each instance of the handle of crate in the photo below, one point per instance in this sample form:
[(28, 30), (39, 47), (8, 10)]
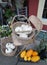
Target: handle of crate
[(36, 22), (19, 16), (21, 21)]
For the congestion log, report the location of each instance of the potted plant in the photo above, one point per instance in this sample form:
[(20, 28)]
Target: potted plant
[(42, 48)]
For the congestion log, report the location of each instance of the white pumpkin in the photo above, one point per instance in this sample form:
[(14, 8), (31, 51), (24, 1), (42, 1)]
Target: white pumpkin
[(12, 46), (29, 28), (23, 25), (8, 45), (18, 29), (23, 35), (9, 50), (26, 27)]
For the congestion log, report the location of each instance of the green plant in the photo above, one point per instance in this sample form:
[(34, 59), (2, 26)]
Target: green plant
[(8, 13), (42, 45), (5, 31), (42, 49)]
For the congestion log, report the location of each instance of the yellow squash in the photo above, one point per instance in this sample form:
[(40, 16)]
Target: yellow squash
[(35, 58), (25, 58), (23, 53), (29, 58), (29, 53), (35, 53)]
